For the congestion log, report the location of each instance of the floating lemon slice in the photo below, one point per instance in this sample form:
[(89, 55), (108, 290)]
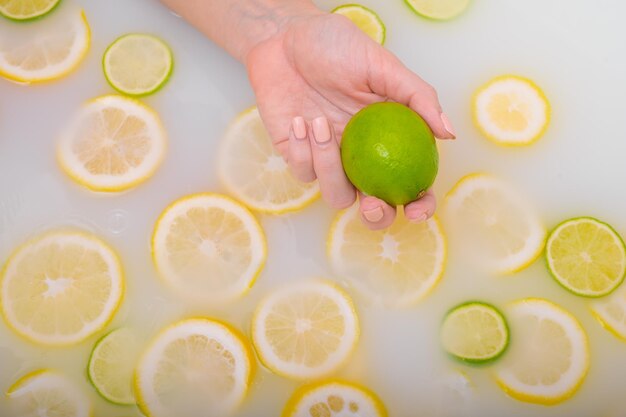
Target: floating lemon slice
[(438, 9), (114, 144), (397, 266), (549, 358), (111, 366), (334, 398), (61, 287), (367, 20), (475, 332), (586, 256), (306, 329), (255, 173), (498, 228), (611, 313), (47, 393), (45, 51), (511, 111), (137, 64), (197, 367), (208, 246), (26, 9)]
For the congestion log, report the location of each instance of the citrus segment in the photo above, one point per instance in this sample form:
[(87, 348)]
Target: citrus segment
[(366, 19), (26, 9), (438, 9)]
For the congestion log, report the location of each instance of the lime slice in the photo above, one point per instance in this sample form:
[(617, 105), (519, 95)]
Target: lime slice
[(586, 256), (26, 9), (137, 64), (438, 9), (475, 332), (111, 366), (366, 19)]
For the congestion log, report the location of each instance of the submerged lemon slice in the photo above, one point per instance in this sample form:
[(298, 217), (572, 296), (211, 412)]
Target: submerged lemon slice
[(208, 246), (197, 367), (306, 329), (26, 9), (47, 393), (511, 111), (334, 398), (549, 357), (611, 313), (366, 19), (137, 64), (61, 287), (46, 51), (497, 227), (438, 9), (586, 256), (113, 144), (255, 173), (397, 266)]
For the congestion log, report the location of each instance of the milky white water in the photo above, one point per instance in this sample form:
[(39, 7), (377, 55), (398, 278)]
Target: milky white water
[(574, 49)]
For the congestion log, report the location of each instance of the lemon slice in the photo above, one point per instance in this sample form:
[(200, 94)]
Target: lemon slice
[(255, 173), (511, 111), (208, 246), (498, 228), (45, 51), (475, 332), (366, 19), (137, 64), (397, 266), (26, 9), (549, 358), (306, 329), (586, 256), (61, 287), (611, 313), (114, 144), (111, 366), (334, 398), (438, 9), (47, 393), (196, 367)]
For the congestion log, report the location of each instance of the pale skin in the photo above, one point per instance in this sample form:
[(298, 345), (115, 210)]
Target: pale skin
[(311, 71)]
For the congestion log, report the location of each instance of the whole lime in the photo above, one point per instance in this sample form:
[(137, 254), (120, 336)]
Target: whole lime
[(388, 151)]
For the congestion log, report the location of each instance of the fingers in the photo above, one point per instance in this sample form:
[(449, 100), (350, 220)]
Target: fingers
[(299, 153), (375, 213), (422, 209), (335, 187)]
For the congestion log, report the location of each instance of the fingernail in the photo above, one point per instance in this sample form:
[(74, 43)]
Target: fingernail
[(299, 128), (374, 215), (421, 218), (321, 130), (447, 125)]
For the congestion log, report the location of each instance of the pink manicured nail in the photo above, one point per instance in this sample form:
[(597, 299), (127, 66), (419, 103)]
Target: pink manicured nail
[(299, 128), (447, 125), (321, 130), (421, 218), (374, 215)]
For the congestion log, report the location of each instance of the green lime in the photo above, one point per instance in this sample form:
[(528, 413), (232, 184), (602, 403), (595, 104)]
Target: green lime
[(26, 9), (388, 151)]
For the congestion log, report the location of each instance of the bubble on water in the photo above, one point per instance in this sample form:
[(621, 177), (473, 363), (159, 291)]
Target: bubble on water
[(117, 221)]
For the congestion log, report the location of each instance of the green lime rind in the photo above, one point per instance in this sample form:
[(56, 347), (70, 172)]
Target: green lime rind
[(556, 277), (494, 312), (367, 9), (32, 18), (436, 19), (151, 91)]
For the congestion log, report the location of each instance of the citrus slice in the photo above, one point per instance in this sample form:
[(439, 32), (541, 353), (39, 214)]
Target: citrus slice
[(549, 358), (194, 367), (306, 329), (438, 9), (208, 246), (397, 266), (255, 173), (47, 393), (475, 332), (61, 287), (45, 51), (366, 19), (113, 144), (137, 64), (611, 313), (511, 111), (497, 226), (334, 398), (586, 256), (111, 366), (26, 9)]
